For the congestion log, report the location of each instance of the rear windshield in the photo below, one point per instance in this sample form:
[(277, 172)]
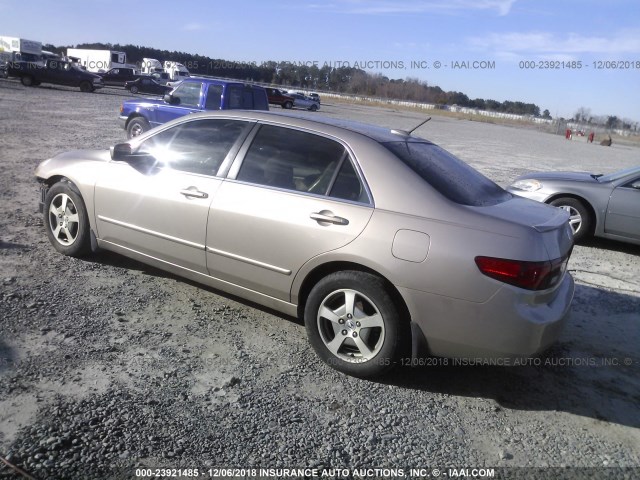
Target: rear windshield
[(449, 175)]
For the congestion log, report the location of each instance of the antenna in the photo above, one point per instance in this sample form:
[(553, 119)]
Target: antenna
[(418, 126), (406, 133)]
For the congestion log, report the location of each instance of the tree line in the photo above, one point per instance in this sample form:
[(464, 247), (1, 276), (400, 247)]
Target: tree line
[(341, 79)]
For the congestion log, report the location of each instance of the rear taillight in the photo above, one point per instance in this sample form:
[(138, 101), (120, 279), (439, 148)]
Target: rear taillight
[(529, 275)]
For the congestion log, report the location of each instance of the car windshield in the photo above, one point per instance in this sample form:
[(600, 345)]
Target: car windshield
[(449, 175), (618, 175)]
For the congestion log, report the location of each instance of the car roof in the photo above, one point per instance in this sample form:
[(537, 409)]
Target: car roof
[(301, 119)]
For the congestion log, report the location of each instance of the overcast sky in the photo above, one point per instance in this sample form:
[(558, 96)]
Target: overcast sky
[(513, 37)]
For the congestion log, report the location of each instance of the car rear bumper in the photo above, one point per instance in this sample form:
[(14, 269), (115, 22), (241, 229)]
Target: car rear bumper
[(514, 323)]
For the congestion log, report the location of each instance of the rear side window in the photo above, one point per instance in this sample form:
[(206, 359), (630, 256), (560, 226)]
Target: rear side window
[(214, 96), (246, 97), (300, 161), (449, 175)]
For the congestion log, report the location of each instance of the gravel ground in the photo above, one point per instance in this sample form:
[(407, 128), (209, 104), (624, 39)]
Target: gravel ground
[(107, 365)]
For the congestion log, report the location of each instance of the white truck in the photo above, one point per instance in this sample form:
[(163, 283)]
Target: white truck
[(176, 70), (98, 60), (21, 49), (151, 65)]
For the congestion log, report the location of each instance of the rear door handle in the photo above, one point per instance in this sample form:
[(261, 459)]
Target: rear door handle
[(194, 192), (326, 216)]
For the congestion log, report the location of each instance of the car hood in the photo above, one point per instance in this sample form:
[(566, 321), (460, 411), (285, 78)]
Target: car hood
[(560, 176), (72, 158)]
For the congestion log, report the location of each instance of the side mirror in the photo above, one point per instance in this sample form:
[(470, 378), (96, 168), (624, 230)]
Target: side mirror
[(144, 162), (120, 151), (636, 185), (171, 100)]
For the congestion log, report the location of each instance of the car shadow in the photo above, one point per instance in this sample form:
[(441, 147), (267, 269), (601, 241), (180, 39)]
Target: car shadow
[(588, 372), (585, 373), (7, 356), (13, 246)]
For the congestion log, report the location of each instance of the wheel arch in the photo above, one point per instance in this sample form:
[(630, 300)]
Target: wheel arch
[(85, 196), (592, 211), (133, 115), (321, 271)]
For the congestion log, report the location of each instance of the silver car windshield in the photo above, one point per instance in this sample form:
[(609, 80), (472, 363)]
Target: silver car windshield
[(449, 175), (618, 175)]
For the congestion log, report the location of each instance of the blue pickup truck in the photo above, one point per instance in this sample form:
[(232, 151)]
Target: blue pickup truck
[(191, 95)]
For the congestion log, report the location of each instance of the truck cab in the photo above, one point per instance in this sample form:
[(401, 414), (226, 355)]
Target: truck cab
[(192, 95)]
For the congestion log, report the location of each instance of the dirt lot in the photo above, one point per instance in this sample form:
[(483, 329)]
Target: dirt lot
[(107, 365)]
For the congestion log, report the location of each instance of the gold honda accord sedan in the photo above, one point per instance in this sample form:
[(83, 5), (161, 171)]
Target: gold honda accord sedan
[(385, 244)]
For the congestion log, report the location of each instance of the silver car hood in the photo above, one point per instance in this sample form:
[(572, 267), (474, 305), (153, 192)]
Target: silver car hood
[(60, 163), (560, 176)]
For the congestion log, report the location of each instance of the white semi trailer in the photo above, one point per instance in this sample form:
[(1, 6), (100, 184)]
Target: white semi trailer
[(98, 60)]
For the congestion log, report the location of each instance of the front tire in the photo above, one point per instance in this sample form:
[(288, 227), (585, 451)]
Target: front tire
[(354, 325), (287, 105), (137, 126), (579, 216), (66, 220), (313, 107), (134, 89), (86, 87), (27, 81)]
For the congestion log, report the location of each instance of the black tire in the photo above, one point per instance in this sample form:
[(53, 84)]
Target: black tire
[(137, 126), (287, 105), (134, 89), (580, 217), (27, 80), (371, 302), (66, 220), (86, 87), (313, 107)]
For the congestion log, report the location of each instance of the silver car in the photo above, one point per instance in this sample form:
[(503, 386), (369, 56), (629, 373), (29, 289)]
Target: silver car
[(602, 205), (382, 242), (302, 101)]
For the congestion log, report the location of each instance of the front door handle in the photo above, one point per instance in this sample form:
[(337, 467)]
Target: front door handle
[(193, 192), (326, 216)]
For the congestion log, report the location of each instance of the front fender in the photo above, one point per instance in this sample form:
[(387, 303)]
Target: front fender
[(82, 168)]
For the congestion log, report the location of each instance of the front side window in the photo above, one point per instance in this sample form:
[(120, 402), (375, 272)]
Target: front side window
[(300, 161), (198, 147), (188, 94)]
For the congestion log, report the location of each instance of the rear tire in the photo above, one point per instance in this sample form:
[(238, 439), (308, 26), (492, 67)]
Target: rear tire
[(134, 89), (579, 216), (287, 105), (66, 220), (354, 325), (27, 81)]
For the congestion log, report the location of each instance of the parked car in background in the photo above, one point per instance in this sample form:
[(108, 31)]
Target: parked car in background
[(377, 239), (146, 85), (602, 205), (276, 97), (57, 72), (315, 96), (119, 76), (192, 95), (301, 101)]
